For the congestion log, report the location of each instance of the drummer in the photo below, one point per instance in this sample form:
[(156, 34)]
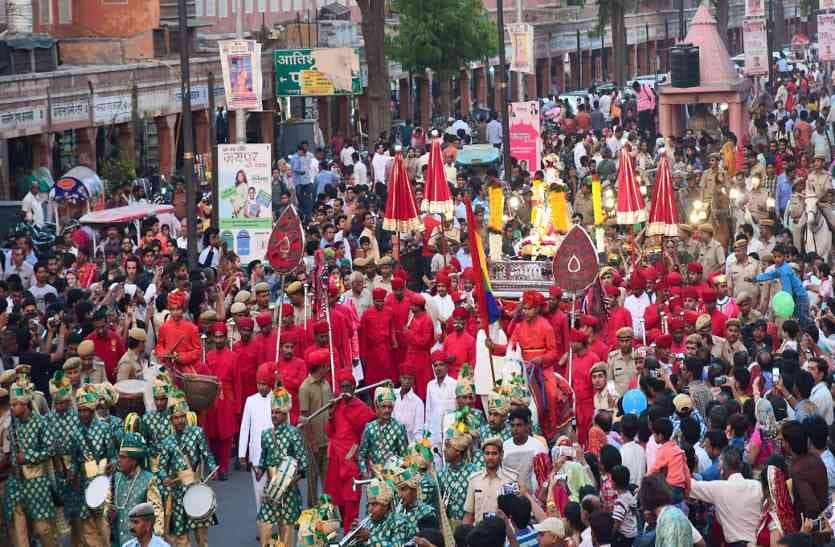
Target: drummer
[(130, 365), (108, 397), (133, 485), (278, 445), (184, 454), (95, 455)]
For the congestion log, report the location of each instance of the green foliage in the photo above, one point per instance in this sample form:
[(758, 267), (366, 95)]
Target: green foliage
[(117, 172), (441, 35)]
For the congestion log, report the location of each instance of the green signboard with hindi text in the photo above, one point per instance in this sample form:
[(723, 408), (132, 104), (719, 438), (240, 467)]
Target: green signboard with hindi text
[(317, 72)]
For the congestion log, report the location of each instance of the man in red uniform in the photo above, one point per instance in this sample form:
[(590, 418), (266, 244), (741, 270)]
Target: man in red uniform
[(221, 420), (178, 340), (399, 302), (344, 430), (717, 318), (290, 332), (320, 340), (589, 324), (420, 337), (343, 329), (292, 371), (619, 316), (694, 276), (109, 347), (676, 325), (581, 362), (558, 320), (247, 352), (264, 321), (661, 305), (377, 340), (459, 344)]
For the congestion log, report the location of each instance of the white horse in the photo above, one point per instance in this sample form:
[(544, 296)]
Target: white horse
[(807, 223)]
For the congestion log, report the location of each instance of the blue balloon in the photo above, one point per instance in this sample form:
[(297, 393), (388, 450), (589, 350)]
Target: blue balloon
[(634, 402)]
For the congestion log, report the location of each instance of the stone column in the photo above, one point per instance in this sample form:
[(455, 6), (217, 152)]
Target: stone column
[(125, 138), (42, 150), (530, 80), (545, 77), (480, 75), (587, 75), (323, 106), (267, 128), (343, 110), (405, 99), (86, 141), (464, 92), (738, 120), (425, 94), (168, 144), (231, 115), (497, 96), (201, 132)]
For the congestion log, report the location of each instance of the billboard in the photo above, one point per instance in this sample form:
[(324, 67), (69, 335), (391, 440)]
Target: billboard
[(755, 45), (522, 48), (826, 36), (245, 206), (317, 72), (240, 61), (754, 8), (524, 134)]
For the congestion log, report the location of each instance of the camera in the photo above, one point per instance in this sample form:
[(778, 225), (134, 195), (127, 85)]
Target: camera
[(720, 380)]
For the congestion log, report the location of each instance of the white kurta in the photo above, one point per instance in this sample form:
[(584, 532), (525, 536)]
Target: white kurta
[(440, 399), (482, 377), (636, 306), (409, 411), (257, 418)]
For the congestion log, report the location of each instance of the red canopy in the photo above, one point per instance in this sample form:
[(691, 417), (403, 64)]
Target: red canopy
[(401, 211), (631, 207), (437, 193), (663, 214)]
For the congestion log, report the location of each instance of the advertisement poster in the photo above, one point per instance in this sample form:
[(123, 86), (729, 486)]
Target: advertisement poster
[(754, 8), (245, 199), (755, 45), (524, 134), (240, 61), (826, 5), (826, 37), (522, 48), (317, 72)]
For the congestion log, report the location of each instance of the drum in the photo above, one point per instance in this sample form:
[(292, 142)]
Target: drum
[(200, 390), (281, 481), (199, 501), (131, 397), (96, 492)]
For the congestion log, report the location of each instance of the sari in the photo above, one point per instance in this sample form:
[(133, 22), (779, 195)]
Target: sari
[(777, 507)]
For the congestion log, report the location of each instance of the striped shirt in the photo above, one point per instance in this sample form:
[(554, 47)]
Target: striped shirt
[(625, 513), (527, 537)]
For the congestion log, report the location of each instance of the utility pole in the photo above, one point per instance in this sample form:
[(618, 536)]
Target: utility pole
[(503, 90), (520, 76), (769, 38), (681, 33), (188, 135), (240, 114)]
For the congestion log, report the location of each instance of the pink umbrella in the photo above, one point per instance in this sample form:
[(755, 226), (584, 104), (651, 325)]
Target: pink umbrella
[(631, 207), (402, 214), (663, 214), (437, 192)]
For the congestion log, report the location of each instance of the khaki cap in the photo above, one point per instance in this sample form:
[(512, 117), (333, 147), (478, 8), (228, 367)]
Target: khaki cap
[(243, 296), (86, 348), (262, 287), (295, 287), (137, 334), (238, 307), (71, 363)]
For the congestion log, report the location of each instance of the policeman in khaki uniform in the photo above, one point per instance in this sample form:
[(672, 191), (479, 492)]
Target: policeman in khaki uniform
[(129, 367), (621, 362), (484, 486), (716, 344), (92, 368), (711, 253), (744, 267), (819, 185), (712, 180), (295, 291)]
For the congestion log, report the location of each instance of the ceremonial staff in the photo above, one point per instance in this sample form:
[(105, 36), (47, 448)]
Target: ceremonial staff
[(284, 253)]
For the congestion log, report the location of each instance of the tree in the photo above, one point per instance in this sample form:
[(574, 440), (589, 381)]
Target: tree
[(442, 36), (613, 13), (377, 92)]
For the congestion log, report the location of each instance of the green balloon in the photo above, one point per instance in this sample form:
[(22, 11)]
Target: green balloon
[(783, 304)]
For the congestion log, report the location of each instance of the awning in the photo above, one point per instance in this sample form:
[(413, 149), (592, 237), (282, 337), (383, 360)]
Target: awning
[(128, 213)]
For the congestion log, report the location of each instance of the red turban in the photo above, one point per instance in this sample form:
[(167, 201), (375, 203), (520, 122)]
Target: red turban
[(460, 313), (456, 296), (676, 323), (694, 267), (617, 279), (652, 335), (397, 283), (418, 300), (611, 290), (439, 355), (345, 374), (287, 310), (674, 279), (263, 319), (689, 291), (407, 369), (709, 296), (579, 336), (379, 294), (555, 292), (265, 373), (690, 317), (176, 299), (318, 357), (320, 327), (333, 289), (637, 282), (532, 299), (589, 321), (442, 279), (675, 292), (218, 327), (661, 284), (665, 341), (245, 323), (649, 273), (469, 274)]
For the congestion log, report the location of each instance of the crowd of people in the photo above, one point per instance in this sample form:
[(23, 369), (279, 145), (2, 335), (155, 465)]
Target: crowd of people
[(679, 400)]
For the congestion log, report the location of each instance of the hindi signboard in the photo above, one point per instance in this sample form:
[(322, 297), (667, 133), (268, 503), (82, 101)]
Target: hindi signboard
[(240, 61), (111, 109), (317, 72), (521, 48), (245, 199), (575, 264), (755, 45), (524, 134), (826, 36)]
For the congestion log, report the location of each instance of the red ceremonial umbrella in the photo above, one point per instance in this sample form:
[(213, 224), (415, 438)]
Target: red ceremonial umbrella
[(631, 207), (402, 214), (437, 193), (663, 214)]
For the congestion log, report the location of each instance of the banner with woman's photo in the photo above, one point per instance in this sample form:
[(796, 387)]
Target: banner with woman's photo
[(245, 199), (240, 61)]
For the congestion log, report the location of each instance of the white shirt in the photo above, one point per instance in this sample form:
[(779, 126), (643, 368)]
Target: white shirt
[(494, 132), (408, 411), (444, 306), (633, 458), (440, 399), (614, 145), (605, 103), (378, 164), (257, 418), (703, 459), (636, 306), (204, 255), (33, 209), (346, 155), (822, 398), (738, 502), (519, 458), (360, 173)]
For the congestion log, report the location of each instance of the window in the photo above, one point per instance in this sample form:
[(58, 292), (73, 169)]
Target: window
[(210, 7), (65, 11), (223, 8), (262, 6), (45, 7), (198, 8), (248, 6), (297, 4), (274, 6)]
